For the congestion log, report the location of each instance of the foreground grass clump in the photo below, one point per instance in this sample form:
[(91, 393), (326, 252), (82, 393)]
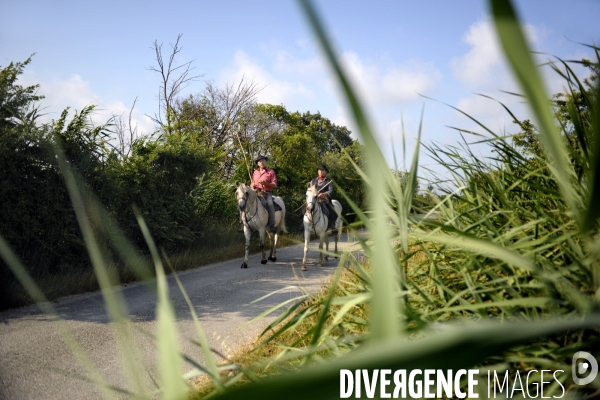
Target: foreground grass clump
[(513, 246)]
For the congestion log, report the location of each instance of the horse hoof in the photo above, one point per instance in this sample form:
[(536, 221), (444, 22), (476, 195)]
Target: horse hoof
[(320, 264), (244, 265), (303, 268), (274, 259), (263, 261)]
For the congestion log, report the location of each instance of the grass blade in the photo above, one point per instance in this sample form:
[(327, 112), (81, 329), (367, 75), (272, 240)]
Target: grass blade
[(208, 355), (385, 318), (169, 360)]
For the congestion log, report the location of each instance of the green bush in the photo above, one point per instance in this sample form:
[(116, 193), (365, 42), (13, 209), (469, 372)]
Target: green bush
[(159, 177)]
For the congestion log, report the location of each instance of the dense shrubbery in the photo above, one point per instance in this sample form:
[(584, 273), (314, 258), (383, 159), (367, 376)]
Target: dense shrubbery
[(159, 177), (36, 217)]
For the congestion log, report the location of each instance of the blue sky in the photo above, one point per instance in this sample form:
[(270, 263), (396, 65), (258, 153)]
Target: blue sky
[(100, 52)]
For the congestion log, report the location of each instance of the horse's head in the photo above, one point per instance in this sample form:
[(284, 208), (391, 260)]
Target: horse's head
[(241, 195), (311, 197)]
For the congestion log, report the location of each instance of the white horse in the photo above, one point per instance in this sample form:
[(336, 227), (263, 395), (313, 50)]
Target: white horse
[(315, 221), (256, 217)]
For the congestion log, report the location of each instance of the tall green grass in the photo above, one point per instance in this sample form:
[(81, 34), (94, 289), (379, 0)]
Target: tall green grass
[(504, 276)]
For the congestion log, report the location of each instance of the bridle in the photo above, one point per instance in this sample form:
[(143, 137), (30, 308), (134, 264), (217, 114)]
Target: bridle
[(242, 202), (310, 212)]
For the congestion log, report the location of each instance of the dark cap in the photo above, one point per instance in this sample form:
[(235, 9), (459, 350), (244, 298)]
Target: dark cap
[(323, 167)]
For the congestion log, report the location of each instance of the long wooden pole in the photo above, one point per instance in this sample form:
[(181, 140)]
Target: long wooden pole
[(244, 154)]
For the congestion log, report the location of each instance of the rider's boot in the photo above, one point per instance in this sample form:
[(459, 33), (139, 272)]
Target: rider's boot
[(332, 217)]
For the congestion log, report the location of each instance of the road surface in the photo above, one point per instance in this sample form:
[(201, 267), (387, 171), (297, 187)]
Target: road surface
[(36, 364)]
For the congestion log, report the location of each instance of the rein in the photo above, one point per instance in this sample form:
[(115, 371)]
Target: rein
[(303, 204), (312, 216), (256, 201), (255, 211)]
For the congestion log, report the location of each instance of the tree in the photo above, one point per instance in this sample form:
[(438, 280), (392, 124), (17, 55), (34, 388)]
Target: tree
[(126, 133), (36, 215), (345, 176), (222, 120), (160, 177), (323, 133), (306, 141), (171, 85)]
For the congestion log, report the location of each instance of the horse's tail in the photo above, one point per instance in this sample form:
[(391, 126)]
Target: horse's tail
[(281, 227)]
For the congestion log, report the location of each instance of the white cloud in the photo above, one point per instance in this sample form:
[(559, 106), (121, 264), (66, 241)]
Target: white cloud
[(287, 63), (303, 83), (77, 93), (483, 69), (303, 43), (140, 122), (73, 92), (341, 117), (383, 84), (483, 66), (475, 68), (276, 90), (491, 114)]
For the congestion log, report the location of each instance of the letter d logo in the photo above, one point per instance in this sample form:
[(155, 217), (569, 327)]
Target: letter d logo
[(580, 368)]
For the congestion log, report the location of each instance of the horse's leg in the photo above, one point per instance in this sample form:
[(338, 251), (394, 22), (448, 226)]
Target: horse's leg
[(326, 247), (320, 264), (262, 246), (335, 237), (274, 240), (338, 233), (306, 240), (247, 234)]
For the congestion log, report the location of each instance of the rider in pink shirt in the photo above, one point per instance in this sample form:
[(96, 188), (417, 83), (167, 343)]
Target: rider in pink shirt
[(265, 179)]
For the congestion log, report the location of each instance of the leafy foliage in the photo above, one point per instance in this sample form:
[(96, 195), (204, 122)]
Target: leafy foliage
[(16, 100), (180, 178)]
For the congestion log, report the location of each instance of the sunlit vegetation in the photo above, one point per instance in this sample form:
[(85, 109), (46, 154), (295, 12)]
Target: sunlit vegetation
[(498, 270), (181, 177)]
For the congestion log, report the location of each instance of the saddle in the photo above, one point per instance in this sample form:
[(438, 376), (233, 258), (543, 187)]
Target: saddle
[(324, 207), (329, 213), (263, 201)]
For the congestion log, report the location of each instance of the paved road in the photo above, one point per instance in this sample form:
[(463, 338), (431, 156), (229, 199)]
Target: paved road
[(221, 294)]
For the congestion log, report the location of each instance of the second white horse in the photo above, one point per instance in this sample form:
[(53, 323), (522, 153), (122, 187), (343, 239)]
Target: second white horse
[(316, 221)]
